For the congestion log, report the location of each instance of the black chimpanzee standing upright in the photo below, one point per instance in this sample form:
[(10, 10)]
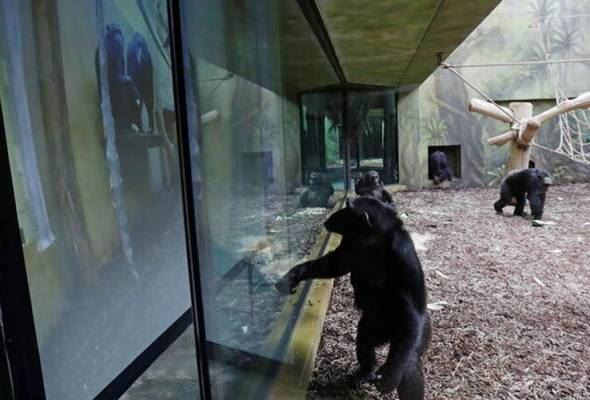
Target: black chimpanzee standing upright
[(141, 70), (529, 182), (439, 167), (389, 290), (371, 185), (318, 193), (125, 101)]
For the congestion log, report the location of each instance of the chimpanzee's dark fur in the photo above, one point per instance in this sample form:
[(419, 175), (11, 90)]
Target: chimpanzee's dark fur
[(141, 71), (318, 193), (371, 185), (389, 290), (532, 182), (125, 101), (439, 167)]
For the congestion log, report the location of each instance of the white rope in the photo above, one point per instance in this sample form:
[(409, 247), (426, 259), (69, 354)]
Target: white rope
[(568, 145), (481, 93), (519, 63), (574, 149)]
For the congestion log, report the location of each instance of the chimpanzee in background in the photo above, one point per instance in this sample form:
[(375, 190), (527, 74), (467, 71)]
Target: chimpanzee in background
[(439, 167), (389, 290), (141, 71), (318, 193), (532, 182), (371, 185), (125, 100), (531, 164)]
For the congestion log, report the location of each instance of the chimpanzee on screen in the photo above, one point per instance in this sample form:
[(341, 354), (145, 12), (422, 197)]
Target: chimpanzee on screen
[(439, 167), (318, 193), (125, 101), (371, 185), (532, 182), (141, 71), (389, 290)]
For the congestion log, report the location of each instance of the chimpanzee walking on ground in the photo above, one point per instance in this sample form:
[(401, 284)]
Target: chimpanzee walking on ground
[(389, 290), (439, 167), (529, 182)]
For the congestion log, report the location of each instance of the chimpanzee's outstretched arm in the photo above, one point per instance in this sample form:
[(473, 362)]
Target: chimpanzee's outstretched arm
[(329, 266)]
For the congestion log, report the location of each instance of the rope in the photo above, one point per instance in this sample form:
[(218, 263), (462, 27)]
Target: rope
[(481, 93), (519, 63), (571, 142)]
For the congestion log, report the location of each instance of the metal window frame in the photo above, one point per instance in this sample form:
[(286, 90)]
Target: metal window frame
[(175, 24)]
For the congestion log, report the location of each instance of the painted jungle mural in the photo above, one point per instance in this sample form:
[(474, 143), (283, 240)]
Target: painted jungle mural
[(518, 31)]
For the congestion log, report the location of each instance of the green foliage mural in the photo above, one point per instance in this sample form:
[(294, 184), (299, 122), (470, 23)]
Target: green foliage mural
[(436, 113)]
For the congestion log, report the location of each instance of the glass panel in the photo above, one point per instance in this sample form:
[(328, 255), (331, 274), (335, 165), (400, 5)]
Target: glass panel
[(372, 130), (322, 141), (247, 61), (97, 183), (371, 140)]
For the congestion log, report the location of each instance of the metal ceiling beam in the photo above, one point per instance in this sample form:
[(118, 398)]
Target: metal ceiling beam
[(314, 18)]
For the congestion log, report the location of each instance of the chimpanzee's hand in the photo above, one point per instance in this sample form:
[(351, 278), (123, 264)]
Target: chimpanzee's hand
[(286, 285)]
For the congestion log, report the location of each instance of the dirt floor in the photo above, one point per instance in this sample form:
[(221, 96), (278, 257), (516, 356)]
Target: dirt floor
[(511, 318)]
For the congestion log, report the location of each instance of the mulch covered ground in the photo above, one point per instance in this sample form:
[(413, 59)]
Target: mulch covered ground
[(515, 322)]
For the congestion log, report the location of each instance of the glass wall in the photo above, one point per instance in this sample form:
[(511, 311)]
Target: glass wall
[(86, 89), (358, 125), (322, 137), (246, 62), (372, 132)]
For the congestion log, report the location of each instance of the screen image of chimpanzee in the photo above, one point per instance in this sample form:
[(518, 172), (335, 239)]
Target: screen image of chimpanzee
[(439, 167), (318, 193), (389, 290), (371, 185), (531, 183), (141, 71), (124, 96)]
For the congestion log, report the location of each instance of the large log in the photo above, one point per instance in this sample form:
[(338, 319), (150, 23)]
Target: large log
[(502, 139), (519, 154), (529, 129), (582, 101), (491, 110)]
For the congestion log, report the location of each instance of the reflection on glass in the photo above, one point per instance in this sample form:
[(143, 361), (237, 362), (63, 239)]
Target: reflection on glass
[(372, 132), (322, 138), (246, 63), (358, 125), (87, 90)]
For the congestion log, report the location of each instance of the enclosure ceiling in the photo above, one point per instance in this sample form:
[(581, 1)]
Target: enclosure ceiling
[(395, 42)]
